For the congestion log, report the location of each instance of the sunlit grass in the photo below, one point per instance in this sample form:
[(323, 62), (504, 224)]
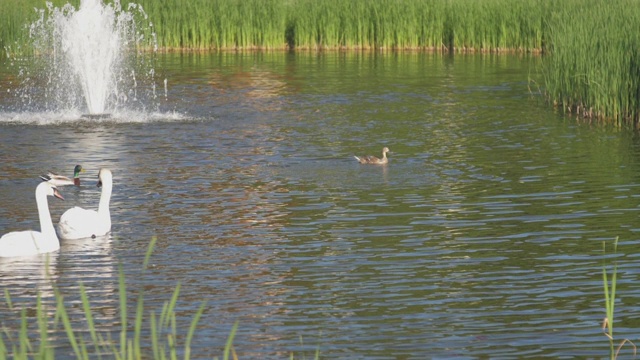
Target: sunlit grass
[(593, 67), (15, 18), (159, 329), (609, 285), (355, 24), (464, 25), (24, 343)]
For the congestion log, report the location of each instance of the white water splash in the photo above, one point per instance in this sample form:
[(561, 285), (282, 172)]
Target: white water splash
[(93, 46), (74, 117), (88, 59)]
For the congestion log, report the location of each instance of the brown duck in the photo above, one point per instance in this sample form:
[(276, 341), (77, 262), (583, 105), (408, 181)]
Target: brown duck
[(370, 159)]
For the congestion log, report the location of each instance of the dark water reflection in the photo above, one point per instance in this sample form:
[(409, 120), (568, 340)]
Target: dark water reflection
[(482, 237)]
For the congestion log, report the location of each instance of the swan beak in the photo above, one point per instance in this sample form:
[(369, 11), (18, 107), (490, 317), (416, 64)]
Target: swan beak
[(57, 194), (99, 184)]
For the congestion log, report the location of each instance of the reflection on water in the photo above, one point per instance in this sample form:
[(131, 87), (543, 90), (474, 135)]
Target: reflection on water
[(28, 278), (481, 237)]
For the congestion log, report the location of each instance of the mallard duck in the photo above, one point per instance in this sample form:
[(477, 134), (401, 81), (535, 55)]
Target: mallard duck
[(31, 242), (79, 223), (370, 159), (60, 180)]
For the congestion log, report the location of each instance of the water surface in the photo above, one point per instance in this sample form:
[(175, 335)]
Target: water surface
[(482, 237)]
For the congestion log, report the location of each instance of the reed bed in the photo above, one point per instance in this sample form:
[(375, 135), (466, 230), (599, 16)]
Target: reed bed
[(609, 286), (15, 18), (352, 24), (217, 24), (488, 25), (593, 67), (52, 323), (40, 340)]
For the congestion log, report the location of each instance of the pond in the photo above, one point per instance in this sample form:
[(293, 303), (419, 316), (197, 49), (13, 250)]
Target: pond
[(482, 237)]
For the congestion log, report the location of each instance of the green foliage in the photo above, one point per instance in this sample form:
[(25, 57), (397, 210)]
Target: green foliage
[(15, 18), (593, 69), (27, 344), (609, 285), (487, 25), (593, 46), (216, 24)]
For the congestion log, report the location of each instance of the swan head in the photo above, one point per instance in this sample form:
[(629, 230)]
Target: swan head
[(385, 150), (49, 189), (104, 176)]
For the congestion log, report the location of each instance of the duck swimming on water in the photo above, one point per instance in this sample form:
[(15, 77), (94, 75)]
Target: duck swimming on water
[(370, 159), (60, 180)]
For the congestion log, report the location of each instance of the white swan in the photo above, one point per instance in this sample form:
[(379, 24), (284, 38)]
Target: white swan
[(30, 242), (79, 223)]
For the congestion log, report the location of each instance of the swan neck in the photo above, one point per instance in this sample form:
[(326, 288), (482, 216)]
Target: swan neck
[(105, 197), (46, 225)]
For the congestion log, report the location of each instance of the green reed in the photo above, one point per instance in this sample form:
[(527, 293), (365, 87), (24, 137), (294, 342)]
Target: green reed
[(24, 343), (609, 285), (591, 65), (609, 298), (15, 18), (488, 25), (593, 69), (216, 24)]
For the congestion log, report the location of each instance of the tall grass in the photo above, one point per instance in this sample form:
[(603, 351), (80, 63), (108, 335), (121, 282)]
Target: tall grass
[(161, 328), (217, 24), (593, 68), (609, 285), (487, 25), (15, 18), (592, 47)]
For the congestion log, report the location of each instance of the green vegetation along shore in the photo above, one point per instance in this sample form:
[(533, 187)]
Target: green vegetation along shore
[(591, 47), (488, 25), (593, 66)]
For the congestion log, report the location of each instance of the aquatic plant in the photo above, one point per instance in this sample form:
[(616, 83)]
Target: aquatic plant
[(609, 300), (217, 24), (354, 24), (593, 67), (19, 343), (464, 25), (15, 18), (592, 47)]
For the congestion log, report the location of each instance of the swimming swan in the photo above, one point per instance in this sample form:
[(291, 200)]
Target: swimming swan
[(60, 180), (370, 159), (78, 223), (30, 242)]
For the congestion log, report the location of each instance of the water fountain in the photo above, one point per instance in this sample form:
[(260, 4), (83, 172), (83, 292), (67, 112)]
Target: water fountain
[(90, 57)]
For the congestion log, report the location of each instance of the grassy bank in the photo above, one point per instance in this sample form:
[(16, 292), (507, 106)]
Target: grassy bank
[(47, 324), (488, 25), (50, 323), (593, 66), (15, 17), (64, 321), (592, 47)]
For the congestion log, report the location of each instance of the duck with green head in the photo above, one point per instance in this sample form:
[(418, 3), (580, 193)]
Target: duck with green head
[(60, 180)]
